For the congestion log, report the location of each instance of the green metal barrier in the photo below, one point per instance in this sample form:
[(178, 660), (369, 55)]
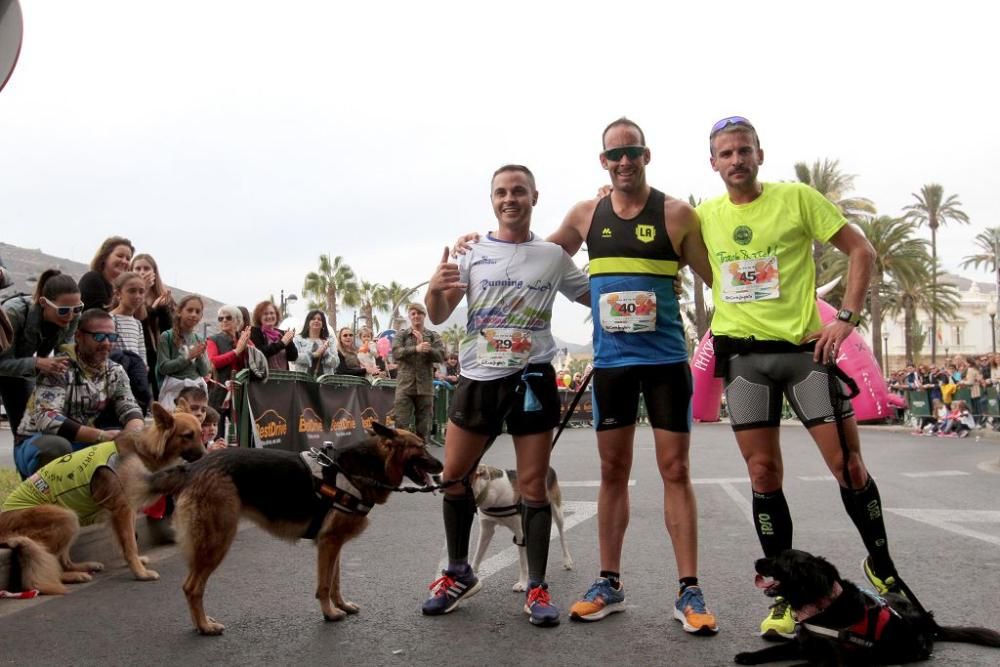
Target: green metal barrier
[(992, 402), (918, 403)]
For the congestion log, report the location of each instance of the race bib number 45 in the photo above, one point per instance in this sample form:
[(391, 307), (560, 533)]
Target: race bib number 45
[(629, 312), (504, 348), (750, 280)]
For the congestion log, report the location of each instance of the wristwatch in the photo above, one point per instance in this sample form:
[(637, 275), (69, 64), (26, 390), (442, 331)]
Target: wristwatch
[(849, 316)]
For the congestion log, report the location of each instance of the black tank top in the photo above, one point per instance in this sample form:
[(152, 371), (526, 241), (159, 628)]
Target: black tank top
[(615, 244)]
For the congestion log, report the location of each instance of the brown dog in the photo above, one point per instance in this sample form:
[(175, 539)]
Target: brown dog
[(84, 488), (324, 496)]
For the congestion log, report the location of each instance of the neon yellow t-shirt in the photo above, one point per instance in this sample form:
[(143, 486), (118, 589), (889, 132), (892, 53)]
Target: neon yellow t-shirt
[(763, 274), (65, 482)]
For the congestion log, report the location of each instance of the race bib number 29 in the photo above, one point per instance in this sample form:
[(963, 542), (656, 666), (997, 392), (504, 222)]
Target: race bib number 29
[(504, 348)]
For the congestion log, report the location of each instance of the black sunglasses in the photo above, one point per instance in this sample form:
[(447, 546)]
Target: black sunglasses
[(101, 336), (633, 153), (63, 311), (225, 318), (726, 122)]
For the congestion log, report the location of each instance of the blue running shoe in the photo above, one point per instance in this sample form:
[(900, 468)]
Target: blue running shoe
[(449, 590), (690, 610), (601, 600), (538, 605)]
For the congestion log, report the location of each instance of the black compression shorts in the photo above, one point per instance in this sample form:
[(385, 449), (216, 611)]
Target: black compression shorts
[(666, 389)]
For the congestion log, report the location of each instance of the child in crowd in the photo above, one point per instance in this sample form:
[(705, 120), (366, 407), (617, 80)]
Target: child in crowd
[(180, 355), (939, 412), (130, 296), (197, 402), (210, 429), (958, 423)]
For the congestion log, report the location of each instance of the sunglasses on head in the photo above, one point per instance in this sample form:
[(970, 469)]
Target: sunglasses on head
[(726, 122), (101, 336), (63, 311), (633, 153)]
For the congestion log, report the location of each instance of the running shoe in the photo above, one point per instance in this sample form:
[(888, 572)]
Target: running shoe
[(779, 623), (602, 599), (889, 584), (538, 606), (690, 610), (449, 590)]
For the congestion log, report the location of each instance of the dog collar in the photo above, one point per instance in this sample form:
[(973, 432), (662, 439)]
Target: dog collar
[(500, 512)]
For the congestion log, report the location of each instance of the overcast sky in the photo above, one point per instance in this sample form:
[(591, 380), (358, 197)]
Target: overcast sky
[(236, 141)]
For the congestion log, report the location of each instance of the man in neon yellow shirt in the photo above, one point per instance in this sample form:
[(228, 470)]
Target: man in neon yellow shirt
[(769, 341)]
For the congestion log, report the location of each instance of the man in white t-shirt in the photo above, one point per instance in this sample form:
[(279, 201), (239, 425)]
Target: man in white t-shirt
[(510, 279)]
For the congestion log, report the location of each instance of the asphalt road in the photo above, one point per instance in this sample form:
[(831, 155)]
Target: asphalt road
[(943, 513)]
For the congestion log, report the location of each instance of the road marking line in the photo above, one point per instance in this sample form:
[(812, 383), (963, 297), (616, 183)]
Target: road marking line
[(818, 478), (720, 480), (588, 483), (740, 501), (952, 520), (935, 473), (575, 512)]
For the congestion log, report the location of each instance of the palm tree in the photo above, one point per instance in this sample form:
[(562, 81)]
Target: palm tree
[(395, 294), (453, 336), (372, 297), (701, 320), (933, 210), (333, 280), (827, 179), (910, 295), (899, 257), (988, 244)]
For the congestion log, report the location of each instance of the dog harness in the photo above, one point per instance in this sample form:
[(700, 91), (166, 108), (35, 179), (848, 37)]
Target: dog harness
[(867, 631), (343, 496)]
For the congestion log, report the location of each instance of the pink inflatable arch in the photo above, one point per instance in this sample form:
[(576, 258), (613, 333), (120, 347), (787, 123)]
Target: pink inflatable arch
[(856, 359)]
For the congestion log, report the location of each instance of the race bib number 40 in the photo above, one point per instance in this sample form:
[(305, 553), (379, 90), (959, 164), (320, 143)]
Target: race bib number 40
[(629, 312), (504, 348), (750, 280)]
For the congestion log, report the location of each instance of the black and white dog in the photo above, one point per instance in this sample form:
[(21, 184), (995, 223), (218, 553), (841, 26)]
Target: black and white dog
[(839, 624), (498, 499)]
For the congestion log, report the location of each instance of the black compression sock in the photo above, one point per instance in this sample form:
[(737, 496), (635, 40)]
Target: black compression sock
[(773, 522), (459, 513), (536, 521), (614, 578), (864, 506)]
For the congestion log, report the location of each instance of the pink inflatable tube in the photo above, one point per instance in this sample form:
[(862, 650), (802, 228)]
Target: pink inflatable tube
[(856, 359)]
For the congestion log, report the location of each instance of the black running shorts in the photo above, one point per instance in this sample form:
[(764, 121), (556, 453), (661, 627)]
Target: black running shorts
[(480, 405), (666, 389), (756, 383)]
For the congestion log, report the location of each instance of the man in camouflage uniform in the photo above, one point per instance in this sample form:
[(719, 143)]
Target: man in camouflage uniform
[(416, 350)]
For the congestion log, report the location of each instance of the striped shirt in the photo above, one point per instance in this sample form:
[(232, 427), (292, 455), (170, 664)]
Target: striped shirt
[(130, 330)]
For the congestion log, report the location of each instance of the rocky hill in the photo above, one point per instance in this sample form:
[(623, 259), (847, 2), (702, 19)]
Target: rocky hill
[(25, 265)]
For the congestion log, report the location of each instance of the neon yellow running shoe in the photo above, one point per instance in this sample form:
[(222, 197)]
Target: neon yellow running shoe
[(779, 624), (882, 586)]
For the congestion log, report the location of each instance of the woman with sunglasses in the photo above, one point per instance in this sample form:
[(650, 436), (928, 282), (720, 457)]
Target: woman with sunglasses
[(41, 325), (348, 354), (227, 352), (112, 260), (158, 314)]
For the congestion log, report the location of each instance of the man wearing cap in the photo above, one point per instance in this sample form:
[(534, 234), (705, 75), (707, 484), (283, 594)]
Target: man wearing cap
[(416, 350), (769, 341)]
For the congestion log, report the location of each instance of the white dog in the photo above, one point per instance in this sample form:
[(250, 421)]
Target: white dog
[(498, 498)]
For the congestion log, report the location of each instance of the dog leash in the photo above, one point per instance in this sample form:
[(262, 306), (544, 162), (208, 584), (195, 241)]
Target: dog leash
[(572, 406)]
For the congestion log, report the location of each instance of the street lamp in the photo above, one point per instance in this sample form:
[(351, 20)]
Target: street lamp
[(285, 302), (885, 351), (991, 310)]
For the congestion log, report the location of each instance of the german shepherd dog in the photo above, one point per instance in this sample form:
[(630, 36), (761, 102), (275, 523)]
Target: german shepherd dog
[(43, 534), (291, 497), (498, 499), (841, 625)]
